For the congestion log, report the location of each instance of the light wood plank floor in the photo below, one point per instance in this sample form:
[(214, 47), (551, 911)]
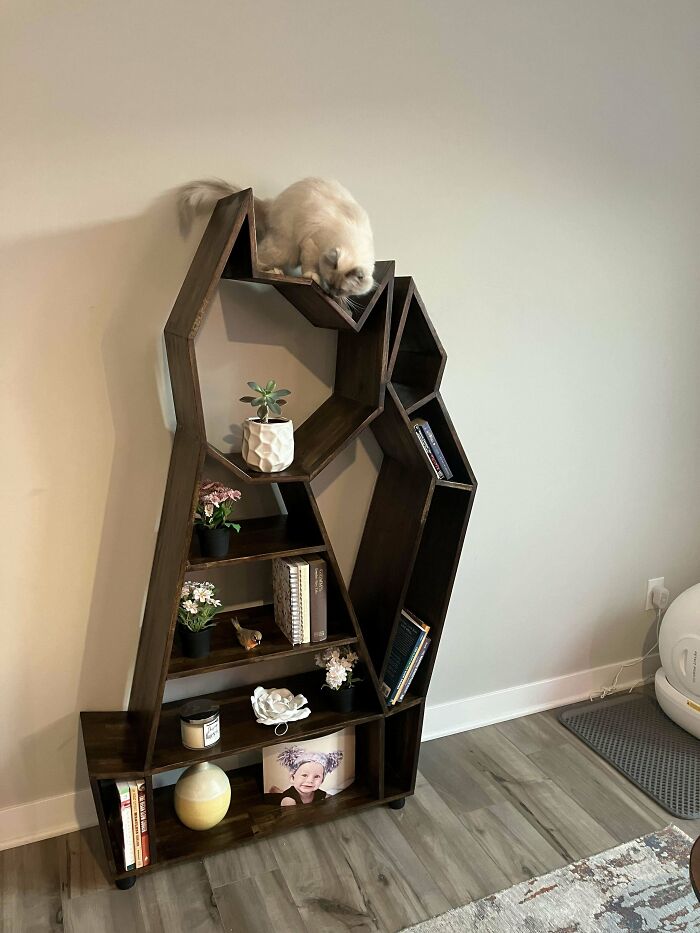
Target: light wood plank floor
[(492, 807)]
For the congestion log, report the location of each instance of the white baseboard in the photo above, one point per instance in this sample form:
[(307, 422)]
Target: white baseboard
[(41, 819), (488, 708), (54, 816)]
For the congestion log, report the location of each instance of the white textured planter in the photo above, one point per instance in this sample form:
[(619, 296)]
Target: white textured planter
[(269, 447)]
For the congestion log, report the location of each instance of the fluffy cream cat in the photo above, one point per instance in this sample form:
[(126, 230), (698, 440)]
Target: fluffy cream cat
[(315, 224)]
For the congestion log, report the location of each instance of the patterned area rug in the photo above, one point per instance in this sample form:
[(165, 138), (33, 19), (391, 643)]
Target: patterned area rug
[(641, 886)]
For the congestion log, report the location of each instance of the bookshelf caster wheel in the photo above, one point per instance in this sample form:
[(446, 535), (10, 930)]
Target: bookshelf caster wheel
[(397, 804), (125, 883)]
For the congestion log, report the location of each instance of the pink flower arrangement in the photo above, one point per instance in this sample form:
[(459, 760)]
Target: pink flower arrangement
[(215, 505)]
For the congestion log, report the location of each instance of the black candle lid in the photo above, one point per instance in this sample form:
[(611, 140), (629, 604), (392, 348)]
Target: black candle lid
[(198, 709)]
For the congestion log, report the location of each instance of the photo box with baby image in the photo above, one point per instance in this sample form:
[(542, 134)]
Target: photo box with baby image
[(307, 771)]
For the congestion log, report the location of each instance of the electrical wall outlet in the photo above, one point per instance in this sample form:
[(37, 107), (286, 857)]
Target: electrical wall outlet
[(657, 581)]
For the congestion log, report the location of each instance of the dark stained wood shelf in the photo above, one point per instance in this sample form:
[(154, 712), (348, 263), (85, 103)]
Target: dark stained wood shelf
[(314, 303), (417, 358), (328, 430), (433, 573), (450, 484), (235, 462), (111, 744), (249, 817), (239, 730), (412, 397), (389, 364), (401, 748), (408, 701), (226, 652), (316, 442), (259, 539), (308, 297), (435, 413)]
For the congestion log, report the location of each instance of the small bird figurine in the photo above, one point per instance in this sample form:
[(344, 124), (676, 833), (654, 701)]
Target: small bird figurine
[(248, 637)]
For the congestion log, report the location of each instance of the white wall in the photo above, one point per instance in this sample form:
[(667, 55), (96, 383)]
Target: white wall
[(534, 167)]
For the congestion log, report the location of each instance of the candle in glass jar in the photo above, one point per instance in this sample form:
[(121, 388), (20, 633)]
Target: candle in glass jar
[(199, 724)]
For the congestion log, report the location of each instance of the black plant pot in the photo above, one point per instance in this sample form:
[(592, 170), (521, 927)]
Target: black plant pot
[(342, 700), (213, 542), (195, 644)]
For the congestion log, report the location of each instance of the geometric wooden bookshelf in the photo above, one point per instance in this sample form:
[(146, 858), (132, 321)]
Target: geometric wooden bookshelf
[(388, 367)]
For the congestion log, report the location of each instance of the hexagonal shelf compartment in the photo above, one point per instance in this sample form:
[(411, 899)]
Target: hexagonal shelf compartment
[(388, 367)]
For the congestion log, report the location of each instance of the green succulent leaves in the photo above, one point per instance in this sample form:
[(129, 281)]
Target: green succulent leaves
[(268, 400)]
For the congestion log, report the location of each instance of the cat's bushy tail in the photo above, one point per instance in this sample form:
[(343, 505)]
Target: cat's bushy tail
[(198, 197)]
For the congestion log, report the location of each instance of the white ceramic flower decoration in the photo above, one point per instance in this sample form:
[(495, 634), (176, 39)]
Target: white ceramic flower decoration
[(278, 707)]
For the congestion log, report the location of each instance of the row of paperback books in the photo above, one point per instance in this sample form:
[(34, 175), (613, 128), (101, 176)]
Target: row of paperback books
[(431, 448), (132, 824), (300, 598), (407, 651)]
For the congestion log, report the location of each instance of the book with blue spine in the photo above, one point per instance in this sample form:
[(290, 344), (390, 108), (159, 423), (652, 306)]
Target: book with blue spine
[(412, 671), (421, 427), (410, 637)]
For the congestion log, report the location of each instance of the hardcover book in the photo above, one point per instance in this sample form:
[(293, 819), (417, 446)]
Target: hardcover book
[(143, 819), (434, 446), (136, 823), (301, 567), (403, 690), (127, 832), (286, 599), (408, 641), (422, 440), (318, 599)]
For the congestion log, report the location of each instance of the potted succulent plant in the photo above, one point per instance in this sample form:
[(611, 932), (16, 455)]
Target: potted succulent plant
[(268, 443), (195, 613), (213, 518), (340, 679)]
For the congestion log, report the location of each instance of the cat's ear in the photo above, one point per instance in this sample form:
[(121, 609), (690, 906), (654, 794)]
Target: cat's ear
[(332, 256)]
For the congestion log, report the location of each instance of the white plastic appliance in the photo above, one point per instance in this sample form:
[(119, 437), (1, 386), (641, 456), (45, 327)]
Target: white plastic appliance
[(677, 681)]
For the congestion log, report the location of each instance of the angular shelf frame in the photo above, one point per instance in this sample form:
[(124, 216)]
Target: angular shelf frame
[(388, 370)]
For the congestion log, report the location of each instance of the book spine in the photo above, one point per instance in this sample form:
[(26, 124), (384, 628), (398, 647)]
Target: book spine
[(392, 699), (295, 590), (412, 673), (436, 449), (414, 618), (294, 573), (407, 637), (127, 831), (143, 820), (318, 599), (286, 599), (280, 598), (428, 452), (136, 823), (305, 601)]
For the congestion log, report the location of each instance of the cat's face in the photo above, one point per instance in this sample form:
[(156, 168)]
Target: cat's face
[(343, 276)]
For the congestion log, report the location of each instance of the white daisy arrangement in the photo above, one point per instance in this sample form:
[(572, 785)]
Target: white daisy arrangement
[(198, 606), (339, 664), (215, 505)]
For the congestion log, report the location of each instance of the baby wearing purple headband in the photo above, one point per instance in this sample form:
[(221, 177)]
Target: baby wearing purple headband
[(308, 770)]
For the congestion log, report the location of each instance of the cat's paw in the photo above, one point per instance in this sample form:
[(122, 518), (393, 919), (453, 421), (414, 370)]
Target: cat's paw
[(314, 276)]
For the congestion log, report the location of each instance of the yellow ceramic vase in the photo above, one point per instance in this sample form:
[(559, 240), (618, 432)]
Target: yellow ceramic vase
[(202, 796)]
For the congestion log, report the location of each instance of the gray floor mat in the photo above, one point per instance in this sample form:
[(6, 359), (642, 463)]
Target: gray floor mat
[(637, 738)]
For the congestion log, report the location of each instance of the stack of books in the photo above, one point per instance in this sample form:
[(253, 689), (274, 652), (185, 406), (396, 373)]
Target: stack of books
[(299, 589), (431, 448), (133, 824), (407, 651)]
